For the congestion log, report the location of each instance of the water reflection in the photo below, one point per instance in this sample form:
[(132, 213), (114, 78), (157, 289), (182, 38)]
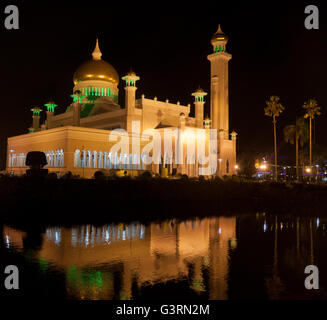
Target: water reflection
[(249, 256)]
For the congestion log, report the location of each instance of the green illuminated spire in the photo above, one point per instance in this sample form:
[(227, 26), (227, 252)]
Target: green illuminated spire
[(130, 79), (51, 106), (78, 96), (36, 111), (199, 94)]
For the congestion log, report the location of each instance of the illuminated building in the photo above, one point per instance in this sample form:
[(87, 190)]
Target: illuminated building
[(78, 139)]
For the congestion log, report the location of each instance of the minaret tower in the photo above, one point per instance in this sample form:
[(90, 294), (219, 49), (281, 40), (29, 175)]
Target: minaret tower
[(77, 97), (50, 112), (36, 119), (219, 108), (199, 105), (130, 89)]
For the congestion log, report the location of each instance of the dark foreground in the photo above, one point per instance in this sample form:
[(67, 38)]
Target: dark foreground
[(69, 201)]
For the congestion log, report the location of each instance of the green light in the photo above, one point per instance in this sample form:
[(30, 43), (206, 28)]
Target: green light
[(36, 111), (78, 97), (51, 106), (44, 265)]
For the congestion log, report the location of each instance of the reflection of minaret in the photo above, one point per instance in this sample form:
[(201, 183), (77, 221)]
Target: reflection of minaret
[(222, 231), (126, 278), (197, 279)]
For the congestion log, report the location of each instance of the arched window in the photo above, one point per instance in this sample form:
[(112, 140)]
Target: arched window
[(77, 158), (56, 163), (94, 156), (19, 160), (117, 160), (83, 159), (227, 166), (62, 158), (88, 159), (110, 160), (10, 161), (135, 163), (58, 159), (104, 160), (50, 159), (99, 160)]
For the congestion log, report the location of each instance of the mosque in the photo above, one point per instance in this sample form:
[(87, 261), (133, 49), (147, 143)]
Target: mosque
[(77, 140)]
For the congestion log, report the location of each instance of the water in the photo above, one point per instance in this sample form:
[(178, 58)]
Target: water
[(241, 257)]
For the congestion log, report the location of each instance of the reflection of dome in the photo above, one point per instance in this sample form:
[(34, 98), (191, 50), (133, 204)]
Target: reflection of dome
[(219, 36), (96, 69)]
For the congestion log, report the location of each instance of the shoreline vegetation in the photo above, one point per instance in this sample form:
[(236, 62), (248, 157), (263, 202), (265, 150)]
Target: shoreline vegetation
[(27, 201)]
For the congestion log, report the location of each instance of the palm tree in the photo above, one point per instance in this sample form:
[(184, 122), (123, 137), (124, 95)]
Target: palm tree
[(312, 110), (273, 109), (297, 133)]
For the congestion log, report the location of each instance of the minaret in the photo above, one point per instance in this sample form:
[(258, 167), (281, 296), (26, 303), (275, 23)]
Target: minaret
[(130, 89), (199, 105), (36, 119), (50, 112), (77, 97), (219, 107)]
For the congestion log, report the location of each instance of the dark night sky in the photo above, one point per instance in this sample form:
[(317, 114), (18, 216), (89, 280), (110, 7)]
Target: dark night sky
[(167, 46)]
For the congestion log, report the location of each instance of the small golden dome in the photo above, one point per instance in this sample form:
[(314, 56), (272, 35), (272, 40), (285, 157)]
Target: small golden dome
[(96, 69), (219, 36)]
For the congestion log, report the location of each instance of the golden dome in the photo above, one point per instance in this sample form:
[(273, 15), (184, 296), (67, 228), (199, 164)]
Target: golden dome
[(96, 69), (219, 36)]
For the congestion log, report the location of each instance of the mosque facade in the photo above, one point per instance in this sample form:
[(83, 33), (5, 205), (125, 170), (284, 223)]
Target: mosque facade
[(97, 134)]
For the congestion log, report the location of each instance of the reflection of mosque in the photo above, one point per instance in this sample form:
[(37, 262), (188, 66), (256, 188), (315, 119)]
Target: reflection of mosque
[(92, 257), (197, 258)]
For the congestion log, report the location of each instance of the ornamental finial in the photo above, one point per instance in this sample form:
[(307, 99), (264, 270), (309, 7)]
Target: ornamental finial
[(96, 54)]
